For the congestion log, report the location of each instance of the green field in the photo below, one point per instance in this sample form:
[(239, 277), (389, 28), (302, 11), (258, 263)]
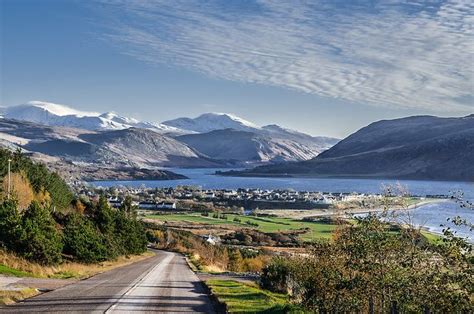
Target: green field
[(432, 237), (247, 298), (265, 224)]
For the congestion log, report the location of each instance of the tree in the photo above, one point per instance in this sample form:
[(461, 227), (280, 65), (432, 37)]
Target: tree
[(9, 224), (38, 175), (39, 239), (235, 260), (83, 241), (21, 189), (127, 207), (104, 216), (130, 234)]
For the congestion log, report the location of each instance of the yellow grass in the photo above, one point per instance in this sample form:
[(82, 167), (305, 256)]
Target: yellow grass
[(12, 296), (213, 269), (68, 269)]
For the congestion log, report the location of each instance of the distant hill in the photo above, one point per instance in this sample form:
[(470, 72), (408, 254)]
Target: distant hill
[(419, 147), (256, 147), (129, 147), (227, 137), (125, 154)]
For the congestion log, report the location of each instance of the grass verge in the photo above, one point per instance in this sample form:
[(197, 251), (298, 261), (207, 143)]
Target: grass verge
[(5, 270), (12, 296), (13, 265), (248, 298)]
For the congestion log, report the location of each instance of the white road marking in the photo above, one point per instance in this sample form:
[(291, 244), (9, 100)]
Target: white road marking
[(148, 278)]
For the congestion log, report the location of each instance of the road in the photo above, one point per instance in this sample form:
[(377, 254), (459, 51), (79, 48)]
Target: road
[(163, 283)]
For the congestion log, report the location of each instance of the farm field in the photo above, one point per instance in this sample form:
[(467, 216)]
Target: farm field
[(315, 231)]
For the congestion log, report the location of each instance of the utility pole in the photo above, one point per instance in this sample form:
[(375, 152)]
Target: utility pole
[(9, 178)]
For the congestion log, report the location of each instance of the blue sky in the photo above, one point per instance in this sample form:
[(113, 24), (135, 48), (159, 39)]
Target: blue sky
[(323, 67)]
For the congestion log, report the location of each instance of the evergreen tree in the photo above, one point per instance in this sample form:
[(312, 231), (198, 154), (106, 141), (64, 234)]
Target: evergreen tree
[(105, 222), (83, 241), (235, 260), (9, 224), (39, 239)]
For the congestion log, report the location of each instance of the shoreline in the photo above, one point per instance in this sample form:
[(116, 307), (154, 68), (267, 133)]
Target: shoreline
[(344, 212), (240, 174)]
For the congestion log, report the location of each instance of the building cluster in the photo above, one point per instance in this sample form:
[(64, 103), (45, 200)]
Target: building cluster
[(167, 198)]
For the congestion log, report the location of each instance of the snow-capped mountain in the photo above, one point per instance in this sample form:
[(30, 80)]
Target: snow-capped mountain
[(208, 122), (60, 115), (226, 136), (219, 137), (131, 147)]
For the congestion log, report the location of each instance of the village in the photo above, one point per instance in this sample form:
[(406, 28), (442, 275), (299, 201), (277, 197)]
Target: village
[(190, 197)]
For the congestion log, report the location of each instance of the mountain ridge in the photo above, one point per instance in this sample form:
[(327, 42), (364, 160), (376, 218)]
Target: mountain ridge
[(271, 143), (53, 114), (418, 147)]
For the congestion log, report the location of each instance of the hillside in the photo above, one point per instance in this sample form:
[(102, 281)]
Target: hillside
[(227, 137), (129, 147), (420, 147), (118, 154), (250, 147)]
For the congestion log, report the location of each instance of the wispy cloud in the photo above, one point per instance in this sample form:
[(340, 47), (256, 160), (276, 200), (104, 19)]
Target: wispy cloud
[(403, 54)]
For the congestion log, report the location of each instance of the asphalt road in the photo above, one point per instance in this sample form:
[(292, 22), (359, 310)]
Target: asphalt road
[(163, 283)]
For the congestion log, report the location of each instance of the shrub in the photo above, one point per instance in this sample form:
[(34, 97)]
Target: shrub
[(255, 264), (275, 275), (369, 268)]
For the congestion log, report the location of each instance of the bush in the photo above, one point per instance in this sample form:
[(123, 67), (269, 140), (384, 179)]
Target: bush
[(369, 268), (255, 264), (275, 275)]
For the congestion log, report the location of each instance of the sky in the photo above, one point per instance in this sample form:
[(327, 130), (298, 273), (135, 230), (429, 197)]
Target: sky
[(326, 67)]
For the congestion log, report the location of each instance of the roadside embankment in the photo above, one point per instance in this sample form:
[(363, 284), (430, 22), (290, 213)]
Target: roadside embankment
[(20, 279)]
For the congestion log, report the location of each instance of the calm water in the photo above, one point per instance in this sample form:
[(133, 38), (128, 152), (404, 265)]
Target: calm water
[(430, 216)]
